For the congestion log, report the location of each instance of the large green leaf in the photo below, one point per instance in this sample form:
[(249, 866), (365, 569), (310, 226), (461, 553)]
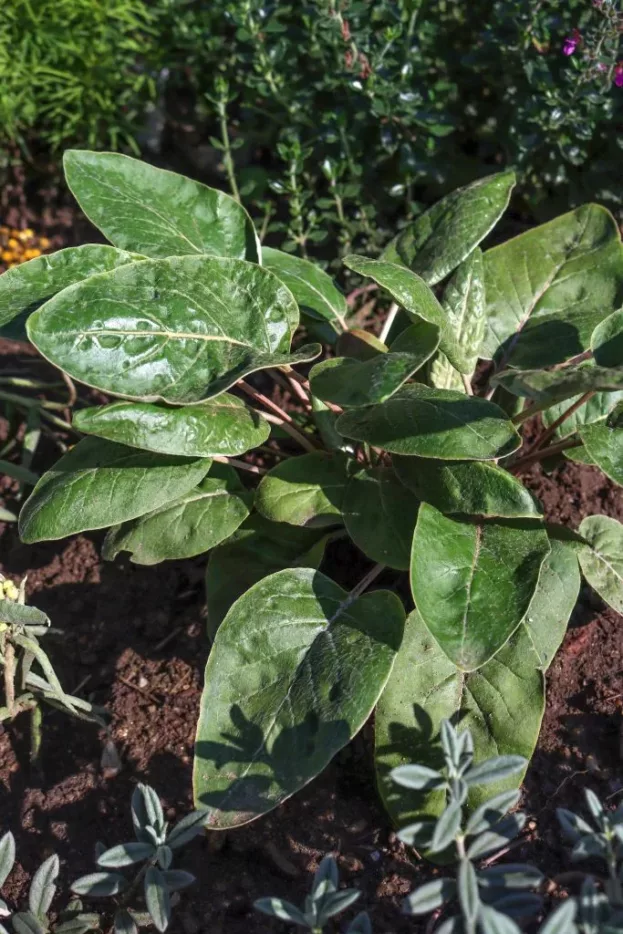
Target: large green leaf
[(446, 234), (473, 582), (360, 344), (179, 330), (607, 340), (548, 288), (467, 487), (501, 704), (380, 515), (597, 407), (316, 292), (601, 559), (437, 423), (23, 288), (556, 595), (464, 302), (223, 426), (295, 670), (350, 383), (545, 387), (100, 483), (204, 517), (306, 490), (257, 549), (605, 446), (412, 294), (156, 212)]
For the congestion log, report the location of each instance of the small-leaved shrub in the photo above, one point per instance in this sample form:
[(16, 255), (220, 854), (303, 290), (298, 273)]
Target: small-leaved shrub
[(398, 444)]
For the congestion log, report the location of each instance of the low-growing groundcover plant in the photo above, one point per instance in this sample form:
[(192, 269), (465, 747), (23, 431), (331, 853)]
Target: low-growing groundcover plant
[(395, 444)]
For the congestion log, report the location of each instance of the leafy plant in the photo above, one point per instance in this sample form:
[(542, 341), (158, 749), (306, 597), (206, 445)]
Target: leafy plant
[(35, 919), (21, 628), (485, 896), (397, 444), (153, 851), (325, 901)]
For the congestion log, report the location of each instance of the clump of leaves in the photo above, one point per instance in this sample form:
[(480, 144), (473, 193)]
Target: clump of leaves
[(152, 854), (35, 919), (324, 902), (21, 628), (393, 444), (485, 895)]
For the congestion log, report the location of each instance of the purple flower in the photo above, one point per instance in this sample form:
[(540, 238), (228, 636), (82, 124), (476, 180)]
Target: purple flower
[(618, 75), (571, 42)]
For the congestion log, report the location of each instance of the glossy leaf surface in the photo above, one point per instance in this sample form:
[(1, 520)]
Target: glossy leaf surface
[(464, 303), (472, 582), (380, 516), (155, 212), (438, 423), (605, 447), (25, 287), (100, 483), (411, 293), (360, 344), (545, 387), (469, 487), (294, 672), (350, 383), (547, 289), (307, 490), (257, 549), (204, 517), (315, 292), (601, 559), (607, 340), (426, 688), (223, 426), (178, 330), (446, 234), (553, 602)]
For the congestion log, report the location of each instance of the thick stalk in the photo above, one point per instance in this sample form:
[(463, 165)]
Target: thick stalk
[(240, 465), (9, 677), (549, 432), (391, 317), (543, 453)]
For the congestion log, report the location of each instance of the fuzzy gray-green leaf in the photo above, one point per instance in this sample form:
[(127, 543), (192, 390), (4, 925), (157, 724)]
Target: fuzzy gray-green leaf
[(42, 887), (155, 212), (100, 483), (601, 559), (7, 856), (157, 898), (178, 330), (294, 672)]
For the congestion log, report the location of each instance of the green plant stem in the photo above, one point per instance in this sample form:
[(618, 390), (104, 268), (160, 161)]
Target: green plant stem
[(543, 453), (365, 582), (36, 718), (9, 677), (228, 160)]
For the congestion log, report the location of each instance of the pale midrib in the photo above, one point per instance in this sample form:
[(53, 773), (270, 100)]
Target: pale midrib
[(167, 335), (469, 585)]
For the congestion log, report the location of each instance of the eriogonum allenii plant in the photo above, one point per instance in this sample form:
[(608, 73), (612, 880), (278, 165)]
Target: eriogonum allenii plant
[(399, 442)]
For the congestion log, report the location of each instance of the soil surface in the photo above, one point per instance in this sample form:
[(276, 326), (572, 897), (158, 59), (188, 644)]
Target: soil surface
[(134, 641)]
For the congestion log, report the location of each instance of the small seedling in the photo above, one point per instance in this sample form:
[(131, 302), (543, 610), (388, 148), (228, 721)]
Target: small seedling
[(325, 901), (35, 920), (153, 851), (486, 896), (21, 627)]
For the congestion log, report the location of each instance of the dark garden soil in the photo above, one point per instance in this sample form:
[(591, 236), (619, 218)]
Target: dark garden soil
[(134, 641)]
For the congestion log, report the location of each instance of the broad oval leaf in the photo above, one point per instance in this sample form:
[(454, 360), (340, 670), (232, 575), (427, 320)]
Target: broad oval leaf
[(464, 303), (156, 212), (553, 602), (446, 234), (472, 582), (545, 387), (178, 330), (607, 340), (294, 672), (605, 446), (224, 426), (380, 515), (350, 383), (199, 520), (412, 294), (601, 559), (359, 344), (125, 854), (547, 289), (257, 549), (315, 292), (42, 887), (598, 406), (467, 487), (438, 423), (307, 490), (23, 288), (502, 704), (100, 884), (100, 483), (157, 898)]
